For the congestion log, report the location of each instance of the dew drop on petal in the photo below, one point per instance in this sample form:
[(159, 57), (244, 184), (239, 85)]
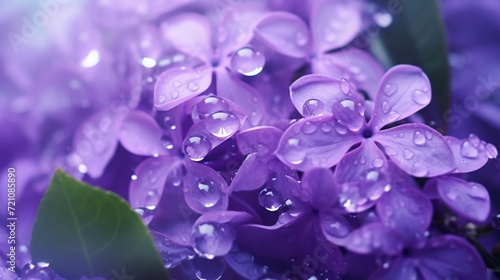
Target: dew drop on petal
[(309, 127), (334, 227), (348, 113), (222, 124), (197, 147), (383, 19), (468, 150), (300, 39), (345, 87), (474, 140), (340, 128), (428, 135), (419, 170), (418, 138), (174, 94), (313, 107), (247, 61), (407, 154), (270, 199), (421, 97), (326, 127), (192, 86), (452, 194), (147, 213), (390, 151), (477, 192), (206, 192), (378, 162), (210, 105), (390, 89), (294, 152), (491, 151), (212, 239)]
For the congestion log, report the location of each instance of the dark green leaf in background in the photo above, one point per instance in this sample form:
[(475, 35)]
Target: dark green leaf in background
[(81, 230), (417, 36)]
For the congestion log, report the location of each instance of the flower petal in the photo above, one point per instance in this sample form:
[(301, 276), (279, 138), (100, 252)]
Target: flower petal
[(246, 97), (172, 253), (450, 256), (141, 135), (403, 90), (357, 162), (244, 264), (401, 268), (315, 95), (178, 85), (252, 174), (146, 190), (191, 34), (315, 142), (262, 140), (335, 227), (417, 149), (286, 33), (406, 210), (334, 24), (470, 153), (204, 189), (469, 200), (374, 237), (318, 187)]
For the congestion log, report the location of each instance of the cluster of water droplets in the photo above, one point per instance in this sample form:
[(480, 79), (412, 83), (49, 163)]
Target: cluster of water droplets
[(472, 147), (38, 270), (212, 239), (247, 61)]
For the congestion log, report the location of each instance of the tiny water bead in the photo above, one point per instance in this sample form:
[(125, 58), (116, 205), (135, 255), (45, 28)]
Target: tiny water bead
[(345, 87), (247, 61), (222, 124), (419, 138), (468, 150), (313, 107), (212, 239), (270, 199), (421, 97), (197, 147), (210, 105), (390, 89), (147, 213)]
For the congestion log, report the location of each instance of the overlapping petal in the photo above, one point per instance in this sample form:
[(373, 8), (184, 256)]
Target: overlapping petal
[(471, 153), (141, 135), (252, 174), (319, 189), (374, 237), (262, 140), (355, 164)]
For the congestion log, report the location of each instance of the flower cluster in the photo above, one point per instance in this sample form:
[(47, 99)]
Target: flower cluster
[(252, 137)]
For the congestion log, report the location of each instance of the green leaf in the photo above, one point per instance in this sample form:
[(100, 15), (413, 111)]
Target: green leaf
[(81, 230), (417, 36)]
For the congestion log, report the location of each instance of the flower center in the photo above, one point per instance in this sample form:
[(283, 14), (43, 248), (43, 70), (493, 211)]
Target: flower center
[(368, 132)]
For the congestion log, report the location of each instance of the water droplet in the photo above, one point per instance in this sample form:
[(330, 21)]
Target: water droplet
[(205, 192), (390, 89), (345, 87), (421, 97), (452, 194), (294, 152), (222, 124), (378, 162), (362, 160), (418, 138), (385, 107), (177, 84), (270, 199), (474, 140), (428, 135), (147, 213), (36, 270), (326, 128), (313, 107), (197, 147), (407, 154), (347, 112), (383, 19), (390, 151), (162, 98), (496, 222), (243, 257), (491, 151), (340, 128), (334, 227), (174, 94), (419, 170), (309, 127), (468, 150), (210, 105), (247, 61), (192, 86), (477, 191), (300, 39), (393, 116), (212, 239)]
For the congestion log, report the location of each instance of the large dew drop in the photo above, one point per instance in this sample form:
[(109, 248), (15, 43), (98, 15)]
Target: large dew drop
[(205, 192), (197, 147), (247, 61), (210, 105), (212, 239), (270, 199), (349, 113), (222, 124), (313, 107)]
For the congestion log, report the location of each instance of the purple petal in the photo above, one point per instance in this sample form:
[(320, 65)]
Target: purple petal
[(178, 85), (191, 34), (315, 142), (318, 187), (315, 95), (262, 140), (147, 187), (334, 24), (417, 149), (450, 256), (245, 96), (357, 66), (401, 268), (470, 153), (406, 210), (172, 253), (403, 90), (141, 135), (252, 174), (358, 161), (335, 227), (285, 33), (469, 200), (374, 237), (225, 217), (204, 189), (244, 264), (95, 142)]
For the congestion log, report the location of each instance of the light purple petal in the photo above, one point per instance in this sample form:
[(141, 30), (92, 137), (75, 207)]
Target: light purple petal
[(318, 187), (358, 161), (285, 33), (315, 95), (204, 189), (191, 34), (225, 217), (469, 200), (417, 149), (470, 153), (335, 227), (172, 253), (178, 85), (403, 90), (262, 140), (357, 66), (374, 237), (334, 24), (147, 187), (95, 142), (315, 142), (141, 135), (252, 174), (401, 268), (450, 256), (406, 210), (244, 264), (245, 96)]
